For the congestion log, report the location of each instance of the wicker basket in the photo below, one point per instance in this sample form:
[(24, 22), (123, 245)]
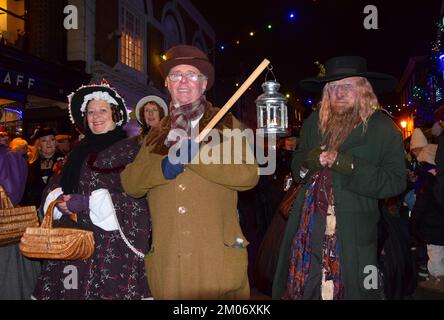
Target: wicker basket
[(46, 242), (14, 221)]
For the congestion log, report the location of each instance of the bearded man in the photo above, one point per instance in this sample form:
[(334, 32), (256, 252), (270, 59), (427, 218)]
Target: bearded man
[(350, 155)]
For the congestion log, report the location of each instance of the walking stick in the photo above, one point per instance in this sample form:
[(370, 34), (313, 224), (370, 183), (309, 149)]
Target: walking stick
[(232, 100)]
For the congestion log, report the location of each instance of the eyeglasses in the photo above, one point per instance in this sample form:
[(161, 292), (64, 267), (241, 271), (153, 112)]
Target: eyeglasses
[(346, 87), (190, 76)]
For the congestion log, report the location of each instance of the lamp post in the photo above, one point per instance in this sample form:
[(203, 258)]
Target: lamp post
[(403, 125)]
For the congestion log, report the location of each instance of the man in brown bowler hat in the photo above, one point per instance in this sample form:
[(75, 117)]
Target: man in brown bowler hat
[(198, 249)]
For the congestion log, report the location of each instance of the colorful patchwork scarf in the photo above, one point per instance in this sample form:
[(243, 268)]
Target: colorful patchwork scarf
[(182, 116), (318, 198)]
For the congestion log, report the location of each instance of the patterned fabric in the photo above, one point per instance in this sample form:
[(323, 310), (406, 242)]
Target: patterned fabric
[(113, 271), (182, 116), (318, 198)]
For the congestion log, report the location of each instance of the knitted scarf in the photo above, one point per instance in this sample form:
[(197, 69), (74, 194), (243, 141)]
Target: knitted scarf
[(318, 197), (182, 116), (92, 143)]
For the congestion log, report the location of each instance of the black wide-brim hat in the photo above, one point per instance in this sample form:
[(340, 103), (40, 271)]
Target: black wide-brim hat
[(190, 55), (338, 68), (42, 132), (77, 100)]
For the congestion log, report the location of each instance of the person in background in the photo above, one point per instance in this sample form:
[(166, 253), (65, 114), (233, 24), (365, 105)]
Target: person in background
[(4, 138), (18, 274), (19, 145), (42, 168), (427, 221), (150, 110), (63, 143)]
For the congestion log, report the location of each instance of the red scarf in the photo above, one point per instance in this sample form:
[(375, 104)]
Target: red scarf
[(182, 116)]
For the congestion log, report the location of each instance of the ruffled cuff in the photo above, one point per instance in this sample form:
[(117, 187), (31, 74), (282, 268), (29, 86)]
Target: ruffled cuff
[(53, 195), (102, 212)]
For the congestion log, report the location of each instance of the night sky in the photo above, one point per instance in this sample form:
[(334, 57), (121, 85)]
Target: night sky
[(321, 29)]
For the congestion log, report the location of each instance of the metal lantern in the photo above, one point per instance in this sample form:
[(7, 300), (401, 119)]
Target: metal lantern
[(272, 110)]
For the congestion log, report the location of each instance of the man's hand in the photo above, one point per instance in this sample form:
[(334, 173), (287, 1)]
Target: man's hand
[(328, 158), (171, 171)]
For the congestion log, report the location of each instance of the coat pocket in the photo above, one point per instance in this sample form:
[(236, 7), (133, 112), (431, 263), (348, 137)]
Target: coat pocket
[(234, 271), (152, 274)]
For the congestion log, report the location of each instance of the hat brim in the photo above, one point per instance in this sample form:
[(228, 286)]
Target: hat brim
[(78, 97), (203, 65), (147, 99), (380, 82)]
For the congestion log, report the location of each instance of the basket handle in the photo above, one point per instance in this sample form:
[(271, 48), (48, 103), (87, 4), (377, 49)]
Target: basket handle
[(47, 220), (5, 201)]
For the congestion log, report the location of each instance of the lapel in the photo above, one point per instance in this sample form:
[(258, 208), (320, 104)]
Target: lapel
[(156, 137), (356, 138)]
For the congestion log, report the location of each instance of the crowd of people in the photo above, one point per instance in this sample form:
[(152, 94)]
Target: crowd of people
[(169, 225)]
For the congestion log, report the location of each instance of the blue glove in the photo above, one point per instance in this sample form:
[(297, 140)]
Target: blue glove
[(171, 171)]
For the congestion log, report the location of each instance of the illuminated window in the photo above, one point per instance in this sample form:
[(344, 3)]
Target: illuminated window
[(131, 50), (12, 22)]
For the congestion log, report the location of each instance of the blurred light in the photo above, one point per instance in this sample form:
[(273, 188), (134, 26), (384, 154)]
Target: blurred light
[(237, 42), (269, 26), (410, 103), (287, 96), (292, 15), (164, 57), (222, 47), (403, 123), (441, 57), (309, 101), (251, 33), (237, 84), (20, 114)]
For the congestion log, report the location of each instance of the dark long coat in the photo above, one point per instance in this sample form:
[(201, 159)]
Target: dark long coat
[(378, 172)]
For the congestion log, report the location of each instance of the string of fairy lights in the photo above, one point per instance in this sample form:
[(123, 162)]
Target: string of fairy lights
[(418, 94)]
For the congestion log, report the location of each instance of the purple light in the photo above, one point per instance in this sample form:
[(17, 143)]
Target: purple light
[(222, 47), (441, 57), (20, 114), (309, 101), (292, 15)]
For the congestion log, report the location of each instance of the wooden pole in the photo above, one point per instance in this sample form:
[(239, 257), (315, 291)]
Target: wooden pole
[(232, 100)]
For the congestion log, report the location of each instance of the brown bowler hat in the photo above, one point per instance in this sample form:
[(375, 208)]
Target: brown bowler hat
[(185, 54)]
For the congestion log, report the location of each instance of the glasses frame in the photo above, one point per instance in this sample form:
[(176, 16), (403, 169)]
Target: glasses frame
[(187, 75), (345, 87)]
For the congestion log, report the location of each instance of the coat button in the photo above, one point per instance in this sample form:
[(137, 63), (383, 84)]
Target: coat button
[(182, 187), (182, 210)]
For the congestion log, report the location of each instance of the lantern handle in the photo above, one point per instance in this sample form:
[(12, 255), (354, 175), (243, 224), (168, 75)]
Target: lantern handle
[(232, 100), (270, 69)]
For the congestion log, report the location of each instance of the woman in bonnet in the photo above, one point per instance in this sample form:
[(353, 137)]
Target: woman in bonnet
[(90, 186)]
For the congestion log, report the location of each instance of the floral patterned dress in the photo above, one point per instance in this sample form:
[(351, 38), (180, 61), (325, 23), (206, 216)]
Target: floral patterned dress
[(114, 271)]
